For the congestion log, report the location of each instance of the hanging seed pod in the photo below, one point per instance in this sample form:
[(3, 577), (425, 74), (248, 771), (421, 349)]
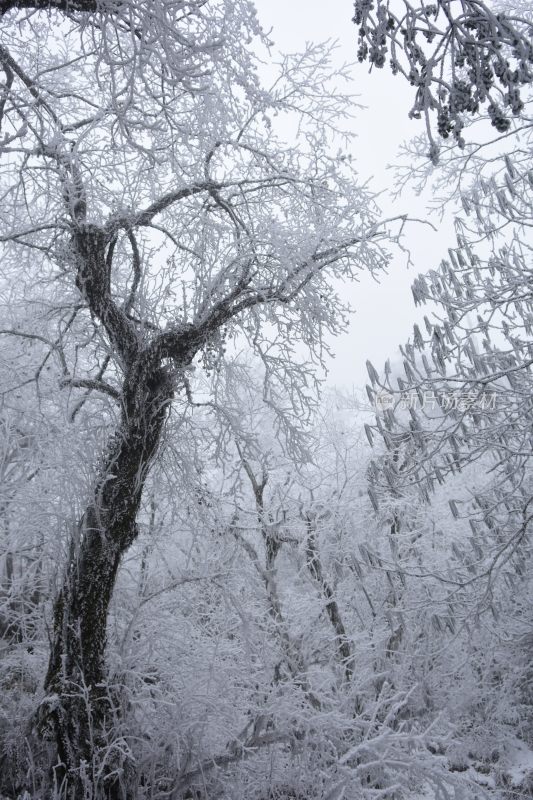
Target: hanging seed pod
[(453, 509), (418, 339), (373, 499), (510, 186), (510, 167), (467, 208), (372, 373), (437, 625)]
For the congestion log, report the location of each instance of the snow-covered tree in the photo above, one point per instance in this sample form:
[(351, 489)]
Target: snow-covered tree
[(466, 377), (152, 215), (455, 416)]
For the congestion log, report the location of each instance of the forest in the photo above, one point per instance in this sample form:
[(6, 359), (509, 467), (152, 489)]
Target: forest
[(221, 577)]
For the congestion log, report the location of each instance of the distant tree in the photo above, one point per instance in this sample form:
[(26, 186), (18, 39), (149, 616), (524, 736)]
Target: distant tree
[(311, 586)]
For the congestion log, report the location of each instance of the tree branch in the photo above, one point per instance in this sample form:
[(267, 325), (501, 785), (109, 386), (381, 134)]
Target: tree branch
[(88, 383), (67, 6), (93, 281), (136, 272)]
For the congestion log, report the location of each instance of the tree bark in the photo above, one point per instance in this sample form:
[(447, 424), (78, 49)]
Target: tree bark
[(66, 6), (77, 702)]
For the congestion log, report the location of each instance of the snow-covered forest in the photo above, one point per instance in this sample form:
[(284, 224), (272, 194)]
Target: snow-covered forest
[(220, 576)]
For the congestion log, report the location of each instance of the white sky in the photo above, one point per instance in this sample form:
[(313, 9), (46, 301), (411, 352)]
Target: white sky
[(385, 313)]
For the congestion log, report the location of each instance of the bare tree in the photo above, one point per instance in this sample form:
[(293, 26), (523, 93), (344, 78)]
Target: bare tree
[(152, 213)]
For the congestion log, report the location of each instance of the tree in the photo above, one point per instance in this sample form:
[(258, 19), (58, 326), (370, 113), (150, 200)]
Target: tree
[(151, 214), (466, 381), (469, 64), (307, 620), (455, 416)]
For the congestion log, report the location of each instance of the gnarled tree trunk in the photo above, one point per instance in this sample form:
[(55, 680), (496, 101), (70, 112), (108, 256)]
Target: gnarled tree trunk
[(77, 703)]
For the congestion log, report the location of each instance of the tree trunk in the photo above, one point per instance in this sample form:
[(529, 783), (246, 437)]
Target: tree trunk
[(77, 703), (315, 568)]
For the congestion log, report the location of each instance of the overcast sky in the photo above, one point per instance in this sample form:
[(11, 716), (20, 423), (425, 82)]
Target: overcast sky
[(385, 313)]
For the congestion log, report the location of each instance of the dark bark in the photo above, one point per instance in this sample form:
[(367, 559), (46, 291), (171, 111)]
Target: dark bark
[(77, 702), (90, 6)]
